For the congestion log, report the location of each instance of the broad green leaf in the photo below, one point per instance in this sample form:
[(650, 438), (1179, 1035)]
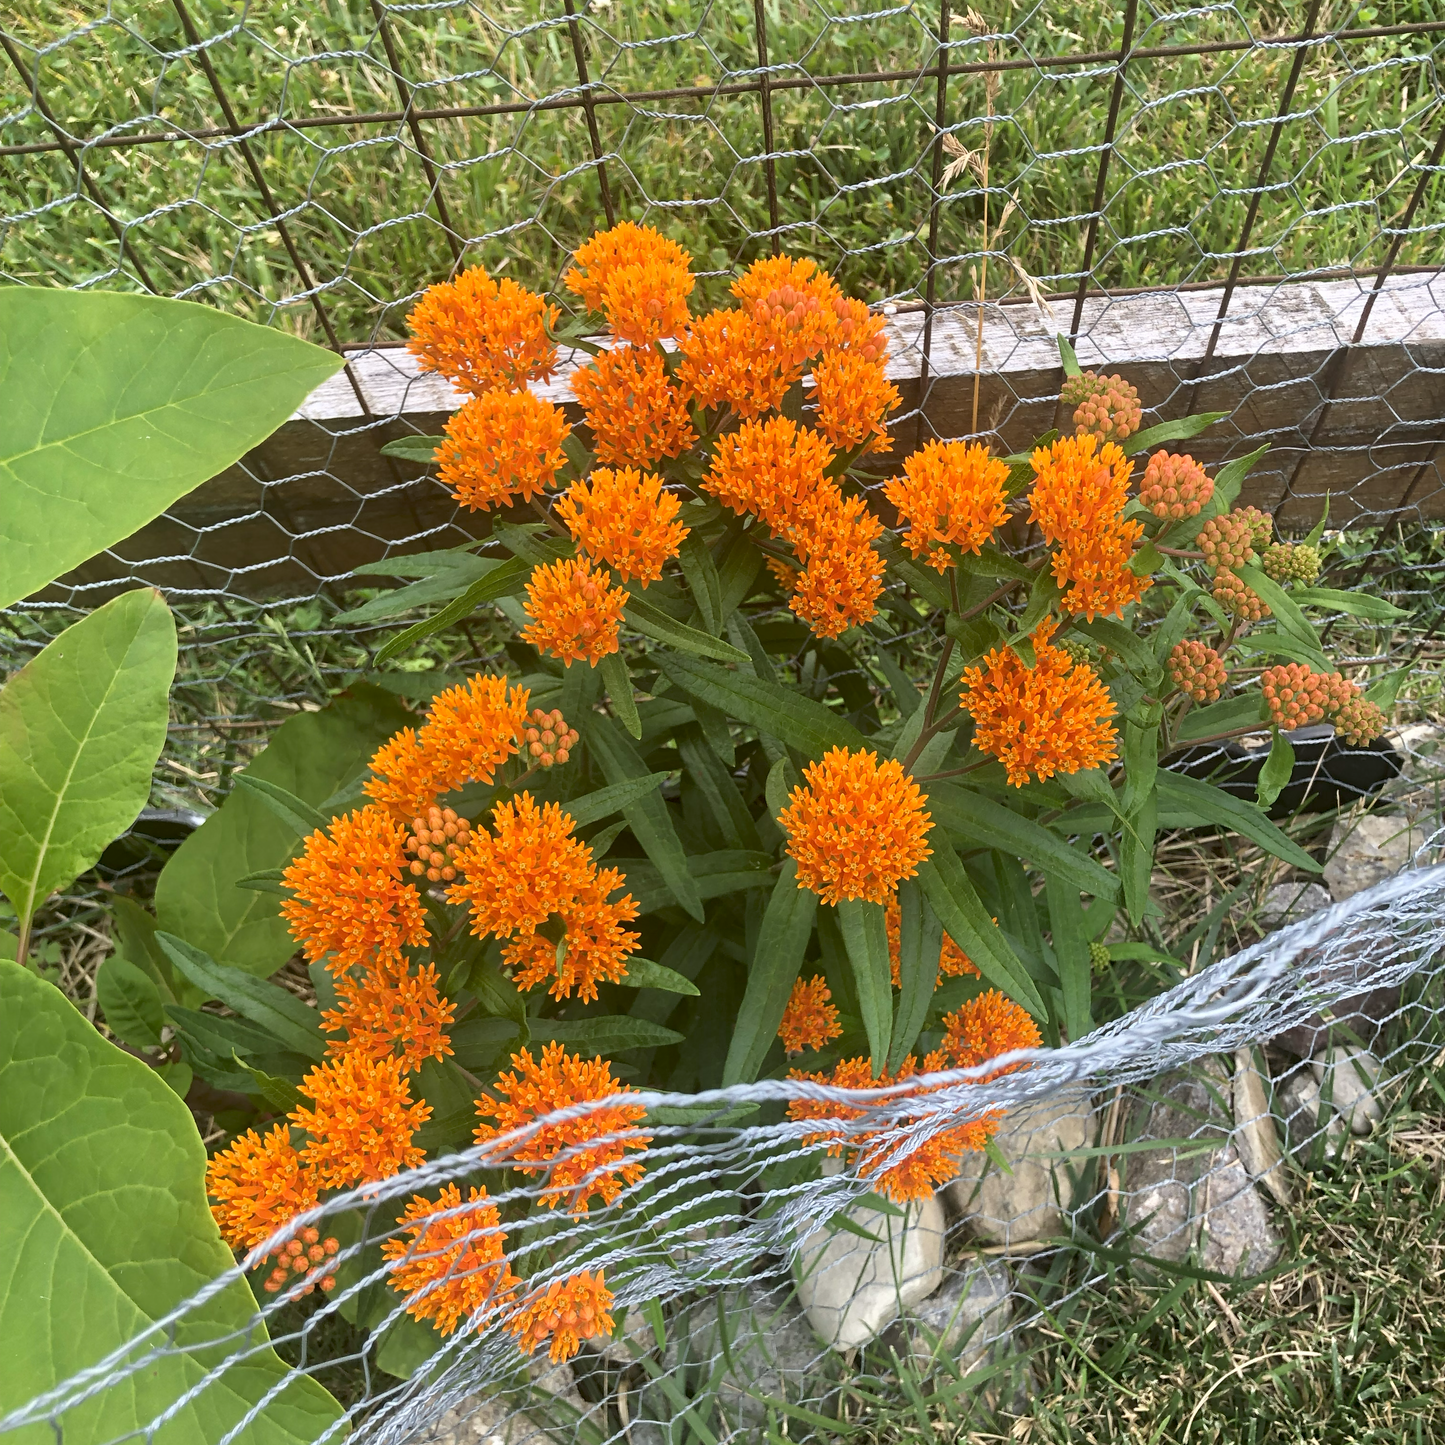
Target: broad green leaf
[(297, 815), (1356, 604), (1071, 953), (1136, 653), (967, 922), (115, 405), (920, 939), (132, 1004), (1203, 800), (1220, 717), (781, 782), (312, 756), (782, 941), (81, 727), (444, 576), (798, 721), (594, 807), (619, 688), (413, 449), (1172, 431), (1384, 690), (1278, 769), (702, 581), (1287, 614), (290, 1022), (653, 622), (644, 973), (1067, 357), (102, 1200), (646, 815), (607, 1034), (989, 824), (504, 580), (865, 937)]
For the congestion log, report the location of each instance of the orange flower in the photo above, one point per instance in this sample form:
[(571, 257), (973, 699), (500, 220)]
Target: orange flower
[(859, 330), (574, 612), (570, 1311), (362, 1123), (481, 334), (854, 398), (809, 1020), (453, 1263), (986, 1027), (257, 1185), (638, 278), (637, 416), (769, 468), (350, 901), (857, 827), (795, 303), (728, 359), (842, 577), (1050, 718), (576, 1168), (389, 1010), (953, 962), (625, 519), (305, 1254), (950, 493), (471, 729), (501, 445), (1078, 502)]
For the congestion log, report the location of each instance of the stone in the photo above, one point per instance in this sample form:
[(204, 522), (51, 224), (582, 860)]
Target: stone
[(1297, 1105), (1032, 1202), (1255, 1134), (1288, 903), (852, 1288), (494, 1419), (1366, 850), (1238, 1235), (1349, 1078), (968, 1319)]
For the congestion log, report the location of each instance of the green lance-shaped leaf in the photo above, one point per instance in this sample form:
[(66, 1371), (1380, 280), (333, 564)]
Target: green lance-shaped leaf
[(1067, 356), (1204, 803), (653, 622), (1221, 717), (1172, 431), (297, 814), (1292, 622), (504, 580), (442, 577), (644, 973), (102, 1201), (782, 940), (593, 807), (608, 1034), (115, 405), (413, 449), (619, 689), (1356, 604), (1278, 768), (920, 939), (702, 581), (865, 937), (1140, 809), (81, 727), (132, 1003), (1071, 952)]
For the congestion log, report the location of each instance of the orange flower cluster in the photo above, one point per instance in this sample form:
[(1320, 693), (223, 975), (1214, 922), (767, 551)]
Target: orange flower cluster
[(581, 1156), (436, 840), (795, 304), (569, 1311), (856, 828), (1197, 670), (637, 278), (854, 397), (950, 494), (636, 414), (470, 731), (727, 360), (769, 469), (500, 446), (548, 739), (575, 614), (626, 519), (257, 1185), (1232, 594), (452, 1264), (391, 1009), (1105, 407), (1050, 718), (1078, 501), (953, 962), (362, 1122), (1228, 541), (986, 1027), (1297, 697), (842, 576), (1174, 487), (809, 1019), (307, 1255), (483, 335), (531, 881), (350, 904)]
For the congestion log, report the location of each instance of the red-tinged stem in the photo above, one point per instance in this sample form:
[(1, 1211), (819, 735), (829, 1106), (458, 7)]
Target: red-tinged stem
[(1180, 552), (1217, 737), (954, 772)]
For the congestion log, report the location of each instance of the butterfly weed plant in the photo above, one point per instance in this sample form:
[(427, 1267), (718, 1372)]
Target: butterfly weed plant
[(711, 824)]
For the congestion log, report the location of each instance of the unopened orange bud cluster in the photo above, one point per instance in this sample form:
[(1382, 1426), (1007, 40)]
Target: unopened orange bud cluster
[(1291, 562), (1297, 697), (1174, 487), (1235, 597), (436, 840), (1197, 670), (1233, 540), (1359, 721), (548, 738), (569, 1311), (1105, 406), (303, 1256)]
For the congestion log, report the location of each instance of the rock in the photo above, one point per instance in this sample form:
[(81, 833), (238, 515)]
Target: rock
[(1288, 903), (1349, 1078), (1367, 850), (1239, 1238), (1255, 1134), (1360, 1017), (1297, 1105), (493, 1419), (851, 1288), (1032, 1202), (967, 1320)]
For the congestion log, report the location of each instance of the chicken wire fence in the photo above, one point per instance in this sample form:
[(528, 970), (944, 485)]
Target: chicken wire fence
[(760, 1288)]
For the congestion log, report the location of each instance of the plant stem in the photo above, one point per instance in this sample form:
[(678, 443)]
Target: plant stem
[(1216, 737), (22, 947), (990, 599), (548, 518), (927, 735), (954, 772), (1180, 552), (936, 690)]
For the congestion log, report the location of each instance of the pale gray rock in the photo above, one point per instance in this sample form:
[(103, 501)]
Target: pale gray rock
[(1298, 1107), (1032, 1202), (516, 1418), (1238, 1235), (1349, 1078), (1288, 903), (967, 1320), (851, 1288), (1367, 850), (1256, 1135)]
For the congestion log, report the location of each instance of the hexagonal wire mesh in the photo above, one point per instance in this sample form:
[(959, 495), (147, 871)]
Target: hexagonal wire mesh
[(1240, 207)]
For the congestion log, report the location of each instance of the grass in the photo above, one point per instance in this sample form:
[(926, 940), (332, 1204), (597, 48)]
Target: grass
[(853, 166)]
